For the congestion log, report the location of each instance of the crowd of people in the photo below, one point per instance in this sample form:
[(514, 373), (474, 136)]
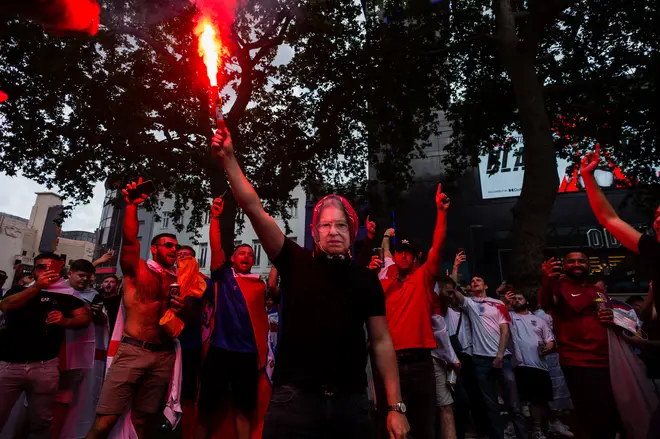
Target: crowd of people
[(383, 344)]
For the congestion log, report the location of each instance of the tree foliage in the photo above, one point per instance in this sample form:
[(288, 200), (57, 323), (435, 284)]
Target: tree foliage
[(133, 101)]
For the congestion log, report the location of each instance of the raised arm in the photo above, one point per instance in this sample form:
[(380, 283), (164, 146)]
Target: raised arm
[(441, 204), (602, 208), (217, 253), (551, 271), (458, 260), (18, 300), (270, 235), (129, 258), (273, 290), (106, 257), (387, 241)]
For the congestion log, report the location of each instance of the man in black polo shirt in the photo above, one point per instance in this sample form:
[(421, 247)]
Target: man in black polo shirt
[(30, 343), (319, 380)]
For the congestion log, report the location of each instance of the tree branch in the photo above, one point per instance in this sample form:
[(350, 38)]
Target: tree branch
[(486, 39)]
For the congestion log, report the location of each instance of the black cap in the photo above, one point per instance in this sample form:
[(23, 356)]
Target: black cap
[(405, 245), (3, 274)]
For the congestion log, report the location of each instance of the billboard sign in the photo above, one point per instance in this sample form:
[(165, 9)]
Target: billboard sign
[(501, 174)]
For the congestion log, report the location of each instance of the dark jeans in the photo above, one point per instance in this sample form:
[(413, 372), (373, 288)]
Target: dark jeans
[(488, 378), (595, 415), (295, 414), (468, 399), (417, 379)]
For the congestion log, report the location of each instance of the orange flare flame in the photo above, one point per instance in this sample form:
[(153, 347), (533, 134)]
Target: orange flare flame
[(210, 48)]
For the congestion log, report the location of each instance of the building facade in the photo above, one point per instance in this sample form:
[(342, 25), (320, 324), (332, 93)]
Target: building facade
[(22, 239), (112, 218)]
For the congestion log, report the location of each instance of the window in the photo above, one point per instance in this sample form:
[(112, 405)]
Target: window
[(293, 211), (203, 254), (257, 252), (165, 220), (207, 217)]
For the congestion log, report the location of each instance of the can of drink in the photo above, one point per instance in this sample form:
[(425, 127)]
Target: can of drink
[(599, 304), (175, 290), (451, 378)]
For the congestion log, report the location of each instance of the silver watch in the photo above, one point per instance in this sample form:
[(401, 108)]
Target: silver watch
[(398, 407)]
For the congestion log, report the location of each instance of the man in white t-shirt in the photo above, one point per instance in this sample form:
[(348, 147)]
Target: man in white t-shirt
[(490, 335), (532, 339)]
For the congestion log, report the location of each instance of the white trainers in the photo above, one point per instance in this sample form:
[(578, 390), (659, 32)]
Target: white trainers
[(559, 428), (538, 434)]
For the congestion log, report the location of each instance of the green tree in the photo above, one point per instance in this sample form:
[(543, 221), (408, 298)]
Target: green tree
[(564, 74), (133, 101)]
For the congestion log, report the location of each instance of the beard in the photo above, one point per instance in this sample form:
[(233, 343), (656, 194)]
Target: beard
[(519, 307), (578, 275)]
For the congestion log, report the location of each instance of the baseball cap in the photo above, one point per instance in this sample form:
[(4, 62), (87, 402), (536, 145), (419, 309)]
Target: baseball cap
[(405, 245)]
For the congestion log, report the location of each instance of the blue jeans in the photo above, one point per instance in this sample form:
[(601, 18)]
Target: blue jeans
[(488, 378), (296, 414)]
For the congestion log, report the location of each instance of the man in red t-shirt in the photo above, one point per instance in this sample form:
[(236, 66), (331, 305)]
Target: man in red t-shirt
[(408, 296), (581, 334)]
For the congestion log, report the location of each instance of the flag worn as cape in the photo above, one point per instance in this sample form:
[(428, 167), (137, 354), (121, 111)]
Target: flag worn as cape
[(253, 289)]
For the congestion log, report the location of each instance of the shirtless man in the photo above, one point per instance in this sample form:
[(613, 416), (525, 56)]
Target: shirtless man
[(142, 367)]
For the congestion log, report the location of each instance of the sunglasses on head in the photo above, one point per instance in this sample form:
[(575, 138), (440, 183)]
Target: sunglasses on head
[(168, 245)]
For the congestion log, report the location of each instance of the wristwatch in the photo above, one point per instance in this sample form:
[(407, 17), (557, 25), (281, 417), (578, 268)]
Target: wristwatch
[(398, 407)]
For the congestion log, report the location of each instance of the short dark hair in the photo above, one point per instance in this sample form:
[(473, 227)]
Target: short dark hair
[(82, 265), (3, 274), (46, 255), (242, 245), (157, 238), (187, 247), (634, 298), (114, 276)]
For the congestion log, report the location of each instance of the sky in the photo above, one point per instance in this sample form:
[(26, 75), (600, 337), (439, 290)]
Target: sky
[(18, 196)]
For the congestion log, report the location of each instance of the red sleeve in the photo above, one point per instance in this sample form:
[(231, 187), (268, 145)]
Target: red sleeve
[(549, 289)]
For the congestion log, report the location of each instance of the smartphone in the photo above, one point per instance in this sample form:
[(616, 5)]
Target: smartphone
[(460, 250), (380, 253), (146, 187), (56, 266)]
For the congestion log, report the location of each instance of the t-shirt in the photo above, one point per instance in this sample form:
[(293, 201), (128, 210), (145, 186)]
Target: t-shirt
[(325, 304), (465, 334), (233, 328), (581, 338), (528, 332), (26, 338), (486, 315), (408, 309)]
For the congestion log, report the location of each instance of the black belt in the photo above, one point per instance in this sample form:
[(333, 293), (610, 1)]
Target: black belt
[(153, 347), (412, 355)]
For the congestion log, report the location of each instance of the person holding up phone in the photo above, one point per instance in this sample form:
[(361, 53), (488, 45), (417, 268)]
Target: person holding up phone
[(30, 343), (143, 363)]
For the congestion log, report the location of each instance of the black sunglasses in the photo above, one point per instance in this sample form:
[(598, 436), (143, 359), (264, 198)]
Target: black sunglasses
[(168, 245)]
